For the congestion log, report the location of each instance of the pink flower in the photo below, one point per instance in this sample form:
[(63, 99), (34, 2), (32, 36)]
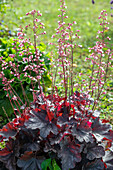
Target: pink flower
[(14, 97)]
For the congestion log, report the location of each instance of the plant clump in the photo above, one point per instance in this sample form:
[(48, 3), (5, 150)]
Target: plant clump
[(61, 128), (60, 131)]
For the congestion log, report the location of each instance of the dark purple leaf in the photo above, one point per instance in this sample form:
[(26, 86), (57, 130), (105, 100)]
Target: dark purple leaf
[(33, 146), (95, 152), (82, 132), (108, 159), (30, 164), (62, 120), (82, 98), (55, 139), (96, 165), (1, 137), (44, 125), (84, 126), (69, 154), (99, 129), (53, 148), (2, 166), (9, 161)]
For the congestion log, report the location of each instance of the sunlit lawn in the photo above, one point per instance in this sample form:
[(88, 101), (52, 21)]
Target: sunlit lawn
[(83, 12)]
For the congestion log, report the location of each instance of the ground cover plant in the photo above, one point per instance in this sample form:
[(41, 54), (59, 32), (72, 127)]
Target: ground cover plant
[(60, 128)]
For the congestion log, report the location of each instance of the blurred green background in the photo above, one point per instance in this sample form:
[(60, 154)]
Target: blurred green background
[(82, 11)]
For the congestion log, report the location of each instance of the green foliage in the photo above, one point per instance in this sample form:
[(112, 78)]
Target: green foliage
[(55, 166), (3, 7), (4, 28), (46, 164), (2, 145), (6, 48), (51, 164)]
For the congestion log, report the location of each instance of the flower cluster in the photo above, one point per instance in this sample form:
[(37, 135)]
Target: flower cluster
[(65, 36), (27, 65), (100, 60)]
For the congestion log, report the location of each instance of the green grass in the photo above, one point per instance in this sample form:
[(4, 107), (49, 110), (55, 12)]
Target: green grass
[(83, 12)]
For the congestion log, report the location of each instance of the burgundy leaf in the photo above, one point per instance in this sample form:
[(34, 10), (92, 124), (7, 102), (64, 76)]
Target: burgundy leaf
[(49, 127), (8, 131), (7, 155), (77, 93), (84, 126), (27, 155), (69, 154), (55, 98), (82, 98), (4, 152)]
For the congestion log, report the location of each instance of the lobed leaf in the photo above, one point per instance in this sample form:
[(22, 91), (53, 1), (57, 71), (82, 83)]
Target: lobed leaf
[(44, 125), (108, 159), (69, 154), (31, 164), (83, 131), (96, 165)]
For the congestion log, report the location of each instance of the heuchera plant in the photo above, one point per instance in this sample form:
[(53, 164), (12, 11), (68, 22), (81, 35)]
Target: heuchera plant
[(58, 132)]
